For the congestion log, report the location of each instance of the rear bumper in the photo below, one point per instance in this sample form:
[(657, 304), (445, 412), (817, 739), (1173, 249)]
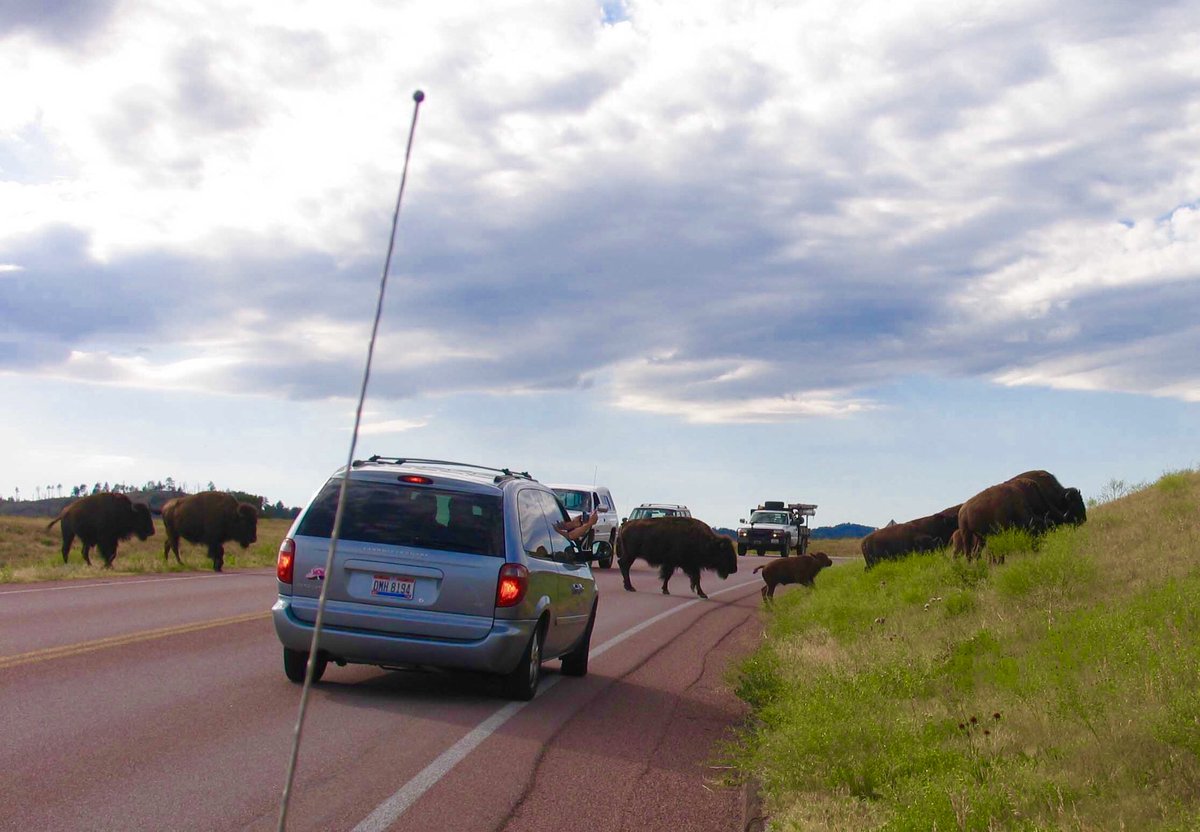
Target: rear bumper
[(766, 544), (497, 652)]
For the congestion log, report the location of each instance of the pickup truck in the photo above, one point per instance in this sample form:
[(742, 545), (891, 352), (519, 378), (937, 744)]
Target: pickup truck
[(776, 526)]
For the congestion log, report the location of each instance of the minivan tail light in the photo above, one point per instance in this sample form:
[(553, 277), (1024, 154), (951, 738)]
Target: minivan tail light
[(513, 584), (416, 479), (286, 560)]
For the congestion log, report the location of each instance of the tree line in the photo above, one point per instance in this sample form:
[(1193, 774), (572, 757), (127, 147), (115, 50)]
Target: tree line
[(155, 492)]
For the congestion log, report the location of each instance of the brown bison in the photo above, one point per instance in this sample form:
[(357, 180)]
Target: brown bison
[(797, 570), (921, 535), (1034, 501), (671, 543), (103, 520), (1065, 504), (211, 518)]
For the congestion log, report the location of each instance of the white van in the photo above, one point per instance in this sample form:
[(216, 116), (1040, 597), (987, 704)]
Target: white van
[(581, 500)]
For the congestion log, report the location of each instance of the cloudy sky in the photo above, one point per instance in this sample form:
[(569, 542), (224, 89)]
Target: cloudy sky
[(871, 255)]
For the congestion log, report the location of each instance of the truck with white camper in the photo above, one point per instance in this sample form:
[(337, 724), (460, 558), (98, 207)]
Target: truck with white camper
[(776, 526)]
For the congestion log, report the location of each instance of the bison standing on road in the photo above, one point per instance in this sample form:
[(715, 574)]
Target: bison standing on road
[(924, 534), (211, 518), (671, 543), (1034, 501), (103, 520), (797, 570)]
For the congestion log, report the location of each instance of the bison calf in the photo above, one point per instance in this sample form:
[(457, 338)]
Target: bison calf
[(103, 520), (797, 570), (211, 518), (671, 543)]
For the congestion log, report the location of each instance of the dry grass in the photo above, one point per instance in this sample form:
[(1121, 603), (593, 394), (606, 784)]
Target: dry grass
[(29, 552)]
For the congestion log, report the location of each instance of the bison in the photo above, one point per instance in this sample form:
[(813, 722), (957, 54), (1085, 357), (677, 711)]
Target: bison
[(102, 520), (671, 543), (1065, 504), (1034, 501), (211, 518), (921, 535), (797, 570)]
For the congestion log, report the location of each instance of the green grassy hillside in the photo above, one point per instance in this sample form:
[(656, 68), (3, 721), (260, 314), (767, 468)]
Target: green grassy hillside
[(1060, 690)]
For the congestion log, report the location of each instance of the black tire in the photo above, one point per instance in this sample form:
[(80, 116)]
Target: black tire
[(522, 683), (606, 563), (295, 665), (741, 550), (760, 552), (575, 663)]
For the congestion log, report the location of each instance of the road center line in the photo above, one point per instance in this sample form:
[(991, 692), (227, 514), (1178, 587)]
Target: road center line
[(390, 810), (130, 638)]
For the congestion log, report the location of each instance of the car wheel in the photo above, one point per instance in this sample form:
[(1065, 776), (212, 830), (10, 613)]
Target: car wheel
[(575, 663), (761, 552), (522, 682), (295, 665), (741, 551), (606, 562)]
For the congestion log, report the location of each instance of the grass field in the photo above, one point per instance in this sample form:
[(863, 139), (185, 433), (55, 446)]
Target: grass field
[(30, 552), (1059, 691)]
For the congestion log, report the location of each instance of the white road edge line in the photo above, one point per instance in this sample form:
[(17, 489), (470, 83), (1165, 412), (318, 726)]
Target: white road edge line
[(390, 810), (223, 575)]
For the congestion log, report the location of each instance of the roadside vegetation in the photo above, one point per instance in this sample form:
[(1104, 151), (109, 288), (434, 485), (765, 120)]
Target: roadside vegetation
[(1058, 691), (30, 552)]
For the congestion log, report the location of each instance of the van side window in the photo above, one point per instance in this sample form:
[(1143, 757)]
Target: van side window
[(555, 514), (537, 539)]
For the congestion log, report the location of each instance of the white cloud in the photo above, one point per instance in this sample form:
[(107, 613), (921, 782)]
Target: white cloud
[(788, 205), (371, 428)]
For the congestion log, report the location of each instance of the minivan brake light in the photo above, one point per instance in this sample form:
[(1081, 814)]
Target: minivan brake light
[(286, 560), (513, 584)]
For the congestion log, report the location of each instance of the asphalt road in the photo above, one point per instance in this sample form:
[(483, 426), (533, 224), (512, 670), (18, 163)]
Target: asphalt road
[(159, 703)]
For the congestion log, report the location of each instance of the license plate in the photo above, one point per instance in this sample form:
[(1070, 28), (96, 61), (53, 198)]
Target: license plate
[(389, 586)]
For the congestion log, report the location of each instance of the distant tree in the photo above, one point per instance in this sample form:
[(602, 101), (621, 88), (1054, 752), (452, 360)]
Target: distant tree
[(96, 488), (170, 483), (37, 492), (253, 499), (106, 488), (59, 489), (212, 486), (18, 493)]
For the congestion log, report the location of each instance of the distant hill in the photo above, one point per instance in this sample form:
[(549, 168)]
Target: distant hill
[(837, 532), (841, 530)]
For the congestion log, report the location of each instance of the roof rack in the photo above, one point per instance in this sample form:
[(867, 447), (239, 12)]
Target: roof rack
[(399, 460)]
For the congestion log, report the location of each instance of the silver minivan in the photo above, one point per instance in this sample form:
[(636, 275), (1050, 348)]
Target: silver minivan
[(438, 564)]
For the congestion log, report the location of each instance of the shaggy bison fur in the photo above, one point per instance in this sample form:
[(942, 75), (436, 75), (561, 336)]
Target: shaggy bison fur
[(210, 518), (1034, 501), (924, 534), (671, 543), (103, 520), (798, 570)]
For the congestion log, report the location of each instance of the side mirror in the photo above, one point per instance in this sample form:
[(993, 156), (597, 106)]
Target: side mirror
[(741, 519)]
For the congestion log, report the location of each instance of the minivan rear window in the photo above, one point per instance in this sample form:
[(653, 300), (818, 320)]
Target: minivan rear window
[(402, 515)]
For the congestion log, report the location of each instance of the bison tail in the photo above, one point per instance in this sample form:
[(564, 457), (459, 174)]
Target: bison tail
[(757, 568), (52, 522)]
